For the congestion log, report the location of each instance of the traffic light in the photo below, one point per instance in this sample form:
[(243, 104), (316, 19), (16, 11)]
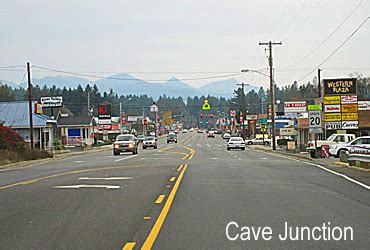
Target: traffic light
[(201, 115), (211, 115)]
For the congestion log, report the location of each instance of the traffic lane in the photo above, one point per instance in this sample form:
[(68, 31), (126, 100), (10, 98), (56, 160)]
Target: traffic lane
[(215, 193), (43, 217), (96, 159)]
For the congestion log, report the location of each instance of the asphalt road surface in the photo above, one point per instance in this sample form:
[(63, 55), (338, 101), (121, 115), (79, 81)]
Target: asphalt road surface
[(180, 196)]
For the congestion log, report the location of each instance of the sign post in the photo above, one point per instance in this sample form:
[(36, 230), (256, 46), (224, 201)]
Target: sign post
[(315, 120)]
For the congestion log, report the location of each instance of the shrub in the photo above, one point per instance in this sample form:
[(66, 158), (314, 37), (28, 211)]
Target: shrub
[(10, 140)]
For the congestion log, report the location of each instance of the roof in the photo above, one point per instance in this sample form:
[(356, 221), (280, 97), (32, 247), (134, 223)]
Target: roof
[(75, 121), (16, 115)]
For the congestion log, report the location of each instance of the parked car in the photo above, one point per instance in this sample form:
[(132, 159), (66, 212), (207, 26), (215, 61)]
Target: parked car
[(125, 143), (200, 131), (184, 131), (258, 141), (360, 144), (332, 140), (236, 143), (150, 141), (171, 137), (211, 134), (191, 130)]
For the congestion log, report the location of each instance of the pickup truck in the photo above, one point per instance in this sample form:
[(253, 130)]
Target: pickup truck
[(331, 140)]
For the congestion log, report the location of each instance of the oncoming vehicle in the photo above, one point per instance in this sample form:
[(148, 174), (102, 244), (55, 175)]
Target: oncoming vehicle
[(171, 137), (236, 143), (141, 138), (125, 143), (211, 134), (226, 136), (150, 141)]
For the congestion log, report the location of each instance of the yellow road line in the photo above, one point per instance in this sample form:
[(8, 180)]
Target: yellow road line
[(149, 242), (192, 152), (129, 246), (185, 157), (160, 199), (172, 179), (147, 217), (26, 182), (180, 167), (167, 148), (168, 186)]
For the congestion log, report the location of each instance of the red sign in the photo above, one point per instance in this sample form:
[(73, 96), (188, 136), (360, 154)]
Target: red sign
[(123, 118), (348, 99), (107, 127)]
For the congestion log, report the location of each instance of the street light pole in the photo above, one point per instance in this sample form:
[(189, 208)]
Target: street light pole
[(272, 90), (242, 109)]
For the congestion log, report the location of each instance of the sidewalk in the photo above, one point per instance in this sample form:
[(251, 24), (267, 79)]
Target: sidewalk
[(362, 175)]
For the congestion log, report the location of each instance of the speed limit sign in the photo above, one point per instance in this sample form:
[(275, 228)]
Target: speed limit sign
[(314, 119)]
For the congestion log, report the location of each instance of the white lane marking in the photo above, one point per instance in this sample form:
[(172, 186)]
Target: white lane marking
[(214, 158), (240, 159), (235, 156), (106, 178), (263, 158), (89, 186), (128, 157), (79, 161), (328, 170), (341, 175)]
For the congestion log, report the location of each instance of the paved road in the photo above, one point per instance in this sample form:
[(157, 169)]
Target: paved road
[(180, 196)]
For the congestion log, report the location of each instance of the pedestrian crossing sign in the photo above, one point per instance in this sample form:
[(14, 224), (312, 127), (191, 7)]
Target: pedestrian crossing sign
[(206, 105)]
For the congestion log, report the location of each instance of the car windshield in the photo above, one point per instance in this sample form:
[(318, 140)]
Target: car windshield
[(141, 136), (125, 138), (149, 138), (236, 139)]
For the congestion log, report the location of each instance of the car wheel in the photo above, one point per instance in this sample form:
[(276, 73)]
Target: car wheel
[(144, 147), (155, 147), (250, 143), (228, 148), (338, 154), (115, 153), (242, 148), (267, 143)]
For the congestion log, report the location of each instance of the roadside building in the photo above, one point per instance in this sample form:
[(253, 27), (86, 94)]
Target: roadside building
[(16, 116), (76, 130)]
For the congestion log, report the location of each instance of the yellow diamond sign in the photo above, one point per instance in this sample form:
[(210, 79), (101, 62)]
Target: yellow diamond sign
[(206, 105)]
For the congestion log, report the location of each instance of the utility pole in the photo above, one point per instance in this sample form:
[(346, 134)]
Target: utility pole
[(88, 103), (30, 102), (319, 81), (272, 89), (242, 109)]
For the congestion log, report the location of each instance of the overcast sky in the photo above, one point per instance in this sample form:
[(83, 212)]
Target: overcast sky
[(186, 36)]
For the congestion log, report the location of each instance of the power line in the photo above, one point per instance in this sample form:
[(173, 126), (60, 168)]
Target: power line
[(340, 46), (12, 66), (130, 79), (293, 19), (327, 38)]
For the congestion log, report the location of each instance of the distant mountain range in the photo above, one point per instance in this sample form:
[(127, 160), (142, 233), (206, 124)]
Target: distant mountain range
[(130, 85)]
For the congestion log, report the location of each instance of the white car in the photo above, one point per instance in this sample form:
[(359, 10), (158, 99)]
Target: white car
[(258, 141), (236, 143), (184, 131), (191, 130), (226, 136), (360, 144)]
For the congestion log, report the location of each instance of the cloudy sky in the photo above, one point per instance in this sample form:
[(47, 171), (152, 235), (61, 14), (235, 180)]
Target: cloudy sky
[(194, 38)]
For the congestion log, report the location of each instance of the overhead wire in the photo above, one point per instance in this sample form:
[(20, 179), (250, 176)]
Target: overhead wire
[(327, 38), (337, 49), (133, 79)]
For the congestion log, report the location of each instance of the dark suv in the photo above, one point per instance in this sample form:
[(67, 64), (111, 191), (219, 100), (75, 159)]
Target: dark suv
[(125, 143), (171, 137)]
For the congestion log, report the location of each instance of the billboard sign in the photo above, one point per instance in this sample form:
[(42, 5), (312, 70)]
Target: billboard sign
[(364, 105), (333, 108), (343, 86), (52, 101), (349, 108), (349, 124), (333, 117), (295, 107), (331, 100), (348, 99), (104, 111), (333, 125)]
